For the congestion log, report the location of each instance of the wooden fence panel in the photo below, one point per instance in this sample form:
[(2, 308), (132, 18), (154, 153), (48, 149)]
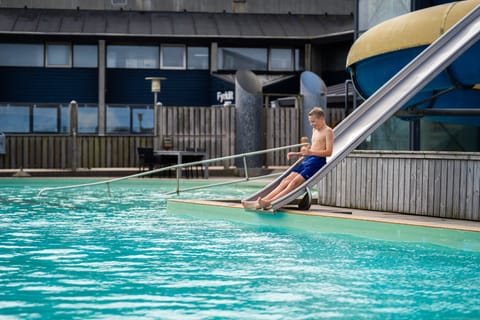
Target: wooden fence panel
[(333, 116), (436, 184), (208, 128), (281, 129)]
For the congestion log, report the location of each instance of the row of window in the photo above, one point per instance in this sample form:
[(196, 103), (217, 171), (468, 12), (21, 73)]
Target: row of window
[(154, 57), (53, 119), (86, 56), (50, 55), (150, 57), (273, 59)]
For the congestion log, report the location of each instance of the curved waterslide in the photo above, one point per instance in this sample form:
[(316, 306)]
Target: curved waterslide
[(387, 100), (378, 54)]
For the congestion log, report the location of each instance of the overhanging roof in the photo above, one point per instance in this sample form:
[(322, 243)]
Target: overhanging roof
[(171, 24), (336, 93)]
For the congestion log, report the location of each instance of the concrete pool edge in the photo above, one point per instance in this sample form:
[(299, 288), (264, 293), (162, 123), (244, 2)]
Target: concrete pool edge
[(458, 234)]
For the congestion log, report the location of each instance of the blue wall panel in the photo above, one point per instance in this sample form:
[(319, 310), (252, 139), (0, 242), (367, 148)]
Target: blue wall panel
[(182, 87), (220, 86), (48, 85), (123, 86)]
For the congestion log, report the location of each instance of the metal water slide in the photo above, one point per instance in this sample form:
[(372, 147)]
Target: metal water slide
[(387, 100)]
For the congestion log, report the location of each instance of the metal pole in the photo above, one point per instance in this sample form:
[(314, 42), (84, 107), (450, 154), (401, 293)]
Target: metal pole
[(155, 114), (178, 179), (101, 87), (73, 133), (245, 168), (155, 88), (414, 141), (347, 82)]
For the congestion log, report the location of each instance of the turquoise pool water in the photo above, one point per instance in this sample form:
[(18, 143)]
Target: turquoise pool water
[(80, 254)]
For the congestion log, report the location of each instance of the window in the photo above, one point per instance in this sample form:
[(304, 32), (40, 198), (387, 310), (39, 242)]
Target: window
[(372, 12), (85, 56), (392, 135), (142, 120), (55, 55), (443, 136), (87, 119), (118, 119), (65, 119), (280, 59), (124, 119), (173, 57), (45, 119), (15, 119), (134, 57), (197, 58), (242, 58), (58, 55), (48, 118), (21, 55)]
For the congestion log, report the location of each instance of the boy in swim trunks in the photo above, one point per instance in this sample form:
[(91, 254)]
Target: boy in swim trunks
[(314, 159)]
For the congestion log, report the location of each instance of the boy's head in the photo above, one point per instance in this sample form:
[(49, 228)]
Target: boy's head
[(316, 118), (317, 113)]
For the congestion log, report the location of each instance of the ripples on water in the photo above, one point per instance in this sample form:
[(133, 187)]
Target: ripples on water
[(80, 254)]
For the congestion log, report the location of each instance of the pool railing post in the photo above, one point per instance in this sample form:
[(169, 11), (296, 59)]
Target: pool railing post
[(245, 168), (73, 132), (178, 179)]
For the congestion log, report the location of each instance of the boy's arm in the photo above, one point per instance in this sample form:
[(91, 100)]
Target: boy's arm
[(297, 154), (293, 154)]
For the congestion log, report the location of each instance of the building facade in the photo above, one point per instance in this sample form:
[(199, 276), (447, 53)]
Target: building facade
[(99, 54)]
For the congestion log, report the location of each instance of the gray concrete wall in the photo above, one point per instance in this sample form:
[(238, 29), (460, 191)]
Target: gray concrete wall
[(341, 7)]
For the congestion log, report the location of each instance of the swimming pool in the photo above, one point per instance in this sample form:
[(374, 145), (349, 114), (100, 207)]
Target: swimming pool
[(80, 254)]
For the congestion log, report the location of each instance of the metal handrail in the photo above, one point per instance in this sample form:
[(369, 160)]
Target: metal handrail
[(178, 167), (225, 183)]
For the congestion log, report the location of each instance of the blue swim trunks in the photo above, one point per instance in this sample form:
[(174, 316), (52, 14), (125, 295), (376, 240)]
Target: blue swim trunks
[(309, 166)]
